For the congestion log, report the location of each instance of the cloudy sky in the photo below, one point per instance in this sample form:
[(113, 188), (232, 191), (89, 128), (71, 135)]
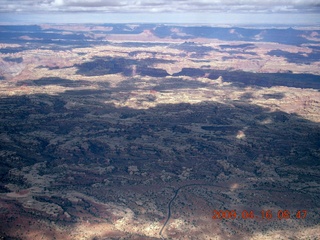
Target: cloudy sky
[(167, 11)]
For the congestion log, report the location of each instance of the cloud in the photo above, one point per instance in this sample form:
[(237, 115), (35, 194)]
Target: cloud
[(58, 3), (145, 6)]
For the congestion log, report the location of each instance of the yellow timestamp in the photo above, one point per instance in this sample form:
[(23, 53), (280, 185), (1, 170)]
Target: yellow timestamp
[(263, 214)]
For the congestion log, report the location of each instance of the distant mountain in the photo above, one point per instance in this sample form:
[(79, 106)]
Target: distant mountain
[(286, 36), (54, 34)]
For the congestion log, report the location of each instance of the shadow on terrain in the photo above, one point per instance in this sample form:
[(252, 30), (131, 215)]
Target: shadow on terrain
[(54, 81), (243, 79), (244, 46), (250, 95), (277, 96), (300, 57), (158, 85), (179, 83), (130, 67), (193, 47), (12, 59), (108, 65), (221, 122), (140, 44), (41, 128)]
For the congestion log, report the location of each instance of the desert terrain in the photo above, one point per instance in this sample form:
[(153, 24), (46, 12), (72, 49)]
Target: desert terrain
[(122, 131)]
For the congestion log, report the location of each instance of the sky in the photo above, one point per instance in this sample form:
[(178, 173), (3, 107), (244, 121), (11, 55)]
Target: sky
[(294, 12)]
